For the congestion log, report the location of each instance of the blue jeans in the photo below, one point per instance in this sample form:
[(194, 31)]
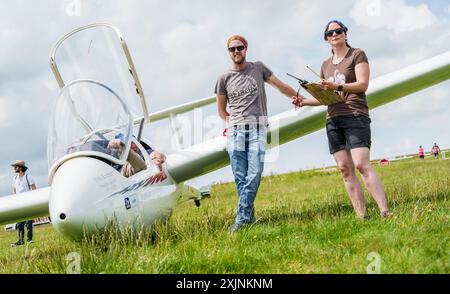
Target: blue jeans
[(246, 149), (21, 229)]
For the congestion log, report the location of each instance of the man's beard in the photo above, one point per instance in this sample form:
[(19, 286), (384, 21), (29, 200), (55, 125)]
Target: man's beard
[(240, 61)]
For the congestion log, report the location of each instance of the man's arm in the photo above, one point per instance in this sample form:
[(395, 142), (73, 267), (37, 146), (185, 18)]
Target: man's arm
[(291, 93), (282, 87), (222, 107)]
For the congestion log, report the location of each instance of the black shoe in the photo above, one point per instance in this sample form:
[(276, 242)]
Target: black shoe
[(365, 217), (30, 241), (18, 243)]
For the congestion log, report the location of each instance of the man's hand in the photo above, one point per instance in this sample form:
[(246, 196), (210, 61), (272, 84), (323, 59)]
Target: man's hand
[(297, 101)]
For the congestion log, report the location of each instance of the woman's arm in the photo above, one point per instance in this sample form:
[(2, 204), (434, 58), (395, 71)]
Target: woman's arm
[(310, 102)]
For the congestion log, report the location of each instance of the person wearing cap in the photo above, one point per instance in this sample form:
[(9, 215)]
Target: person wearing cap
[(242, 103), (348, 122), (23, 182)]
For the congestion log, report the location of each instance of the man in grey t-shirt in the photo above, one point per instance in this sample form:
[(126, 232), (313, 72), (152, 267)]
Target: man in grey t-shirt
[(242, 103)]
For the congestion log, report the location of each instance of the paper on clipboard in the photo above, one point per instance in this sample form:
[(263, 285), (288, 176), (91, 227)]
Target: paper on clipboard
[(325, 97)]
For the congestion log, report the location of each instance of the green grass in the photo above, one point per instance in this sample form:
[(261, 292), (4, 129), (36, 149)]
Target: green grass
[(306, 225)]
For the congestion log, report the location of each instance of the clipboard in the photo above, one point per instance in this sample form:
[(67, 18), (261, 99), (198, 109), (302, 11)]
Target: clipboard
[(325, 97)]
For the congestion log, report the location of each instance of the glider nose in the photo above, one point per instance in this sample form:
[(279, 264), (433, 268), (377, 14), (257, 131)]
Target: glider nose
[(67, 224), (74, 193)]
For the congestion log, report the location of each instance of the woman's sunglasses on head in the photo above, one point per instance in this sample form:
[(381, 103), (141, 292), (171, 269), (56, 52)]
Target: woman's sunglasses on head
[(337, 31)]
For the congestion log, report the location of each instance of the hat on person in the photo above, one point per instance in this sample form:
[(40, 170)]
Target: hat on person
[(120, 137), (19, 163), (237, 37)]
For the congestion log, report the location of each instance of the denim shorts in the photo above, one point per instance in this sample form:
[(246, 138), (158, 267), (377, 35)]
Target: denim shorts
[(348, 132)]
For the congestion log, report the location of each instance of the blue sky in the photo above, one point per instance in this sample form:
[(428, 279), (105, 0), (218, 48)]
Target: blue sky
[(179, 50)]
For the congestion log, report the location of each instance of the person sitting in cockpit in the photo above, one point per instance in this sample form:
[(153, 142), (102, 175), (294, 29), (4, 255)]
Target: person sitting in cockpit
[(115, 148), (157, 158), (135, 161)]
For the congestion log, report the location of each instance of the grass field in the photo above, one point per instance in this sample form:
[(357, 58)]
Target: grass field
[(305, 225)]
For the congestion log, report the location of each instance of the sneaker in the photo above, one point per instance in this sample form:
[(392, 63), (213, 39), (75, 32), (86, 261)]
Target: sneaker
[(386, 214), (30, 241), (18, 243), (237, 226)]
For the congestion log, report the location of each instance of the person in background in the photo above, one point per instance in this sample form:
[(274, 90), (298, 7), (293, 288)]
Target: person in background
[(435, 150), (23, 182), (421, 153)]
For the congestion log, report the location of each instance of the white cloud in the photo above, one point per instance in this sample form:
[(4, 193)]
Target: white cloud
[(5, 111), (5, 184), (186, 64), (394, 15)]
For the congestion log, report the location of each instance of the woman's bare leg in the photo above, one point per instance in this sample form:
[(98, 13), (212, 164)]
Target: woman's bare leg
[(361, 158), (345, 164)]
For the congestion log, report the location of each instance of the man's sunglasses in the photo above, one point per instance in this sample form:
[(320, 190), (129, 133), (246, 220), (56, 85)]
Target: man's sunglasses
[(239, 48), (337, 31)]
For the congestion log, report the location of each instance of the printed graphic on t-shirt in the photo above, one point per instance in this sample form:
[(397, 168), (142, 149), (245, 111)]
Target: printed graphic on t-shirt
[(337, 78), (248, 87)]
